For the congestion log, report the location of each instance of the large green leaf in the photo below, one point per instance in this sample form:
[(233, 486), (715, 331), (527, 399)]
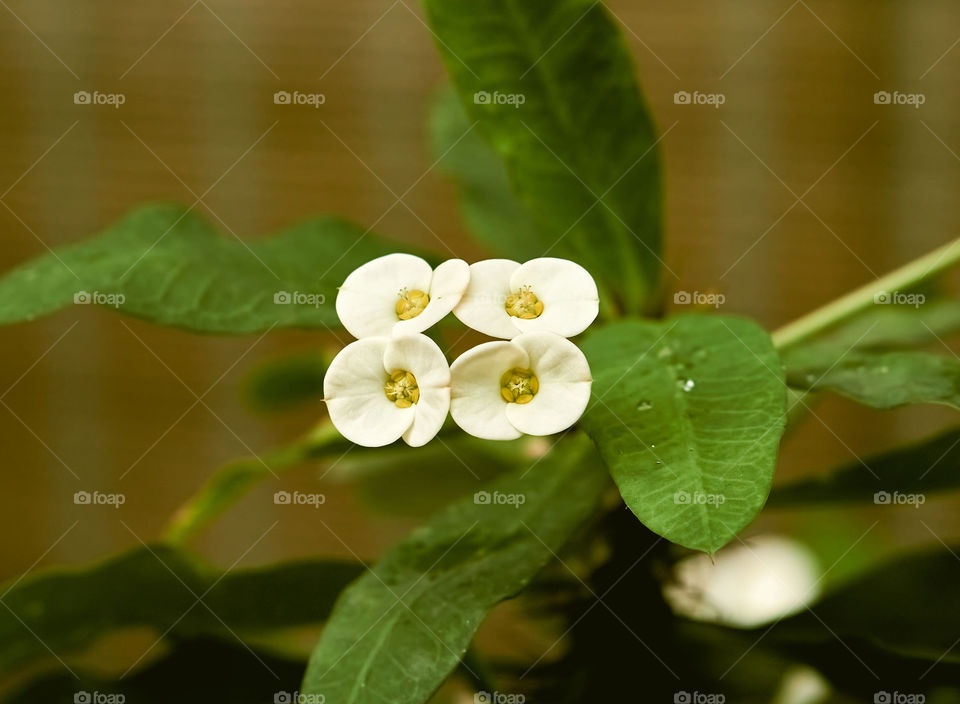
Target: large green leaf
[(67, 609), (167, 265), (688, 414), (878, 379), (928, 466), (580, 150), (286, 383), (397, 632)]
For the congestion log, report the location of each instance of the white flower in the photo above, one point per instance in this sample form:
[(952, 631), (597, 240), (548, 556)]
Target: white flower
[(537, 383), (379, 389), (399, 294), (506, 298), (746, 585)]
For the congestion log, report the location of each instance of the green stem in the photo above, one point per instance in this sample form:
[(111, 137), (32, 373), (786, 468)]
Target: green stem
[(907, 276)]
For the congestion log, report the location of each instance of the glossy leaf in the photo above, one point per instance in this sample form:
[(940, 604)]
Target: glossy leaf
[(928, 466), (286, 383), (688, 414), (552, 88), (879, 379), (398, 631), (67, 609), (167, 265)]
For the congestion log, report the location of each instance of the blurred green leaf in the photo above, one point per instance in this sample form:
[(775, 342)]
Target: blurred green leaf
[(580, 149), (925, 467), (64, 610), (196, 672), (909, 605), (170, 267), (878, 379), (688, 414), (889, 327), (398, 631), (490, 208), (286, 383)]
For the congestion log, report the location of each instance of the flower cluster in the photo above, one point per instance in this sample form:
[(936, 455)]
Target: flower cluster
[(394, 382)]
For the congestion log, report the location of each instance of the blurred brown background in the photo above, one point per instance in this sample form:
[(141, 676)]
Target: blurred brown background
[(95, 401)]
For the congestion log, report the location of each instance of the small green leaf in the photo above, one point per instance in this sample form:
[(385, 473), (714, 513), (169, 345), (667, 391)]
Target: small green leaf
[(928, 466), (552, 88), (399, 630), (167, 265), (67, 609), (688, 414), (878, 379)]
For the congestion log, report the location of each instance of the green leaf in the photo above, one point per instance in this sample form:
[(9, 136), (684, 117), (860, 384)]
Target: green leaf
[(490, 208), (399, 630), (286, 383), (910, 605), (66, 609), (581, 150), (167, 265), (928, 466), (688, 414), (878, 379)]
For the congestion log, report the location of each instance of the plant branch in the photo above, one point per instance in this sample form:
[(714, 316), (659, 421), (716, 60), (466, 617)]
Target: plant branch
[(838, 310)]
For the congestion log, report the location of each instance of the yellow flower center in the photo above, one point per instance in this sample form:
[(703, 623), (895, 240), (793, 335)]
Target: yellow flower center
[(524, 304), (401, 389), (410, 304), (519, 385)]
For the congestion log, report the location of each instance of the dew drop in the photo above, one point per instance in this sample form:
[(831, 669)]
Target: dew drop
[(644, 405), (664, 352), (686, 384)]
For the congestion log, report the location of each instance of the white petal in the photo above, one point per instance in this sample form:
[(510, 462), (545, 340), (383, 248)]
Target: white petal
[(555, 408), (370, 420), (554, 358), (475, 402), (419, 355), (357, 370), (356, 402), (431, 411), (367, 300), (483, 305), (564, 376), (449, 282), (569, 295)]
